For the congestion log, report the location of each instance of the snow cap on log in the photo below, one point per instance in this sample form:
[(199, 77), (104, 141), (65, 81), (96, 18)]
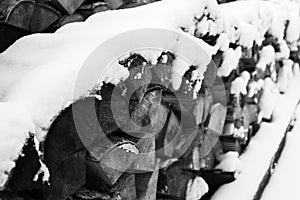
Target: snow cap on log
[(15, 127), (43, 68)]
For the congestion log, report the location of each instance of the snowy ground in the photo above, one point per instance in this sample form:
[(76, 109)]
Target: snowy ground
[(284, 181), (257, 157)]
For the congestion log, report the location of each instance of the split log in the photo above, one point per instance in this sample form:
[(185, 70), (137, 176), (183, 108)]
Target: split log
[(66, 178), (146, 176), (230, 143), (162, 71), (90, 8), (211, 147), (191, 112), (28, 15), (126, 187), (173, 182), (170, 137), (112, 109), (70, 19), (212, 69), (85, 194), (140, 76), (250, 113), (191, 157), (247, 64), (108, 163), (68, 6), (11, 196), (151, 116), (190, 106), (64, 150), (9, 34), (182, 105), (219, 92), (146, 184), (21, 176), (202, 106), (148, 116)]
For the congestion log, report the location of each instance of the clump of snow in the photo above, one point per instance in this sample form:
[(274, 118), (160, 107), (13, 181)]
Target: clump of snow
[(230, 61), (164, 59), (196, 188), (44, 171), (284, 50), (197, 88), (268, 99), (296, 69), (239, 86), (230, 162), (129, 148), (180, 66), (223, 42), (245, 76), (248, 34), (240, 132), (15, 126), (202, 28), (289, 65), (138, 76), (293, 29), (266, 57), (254, 87)]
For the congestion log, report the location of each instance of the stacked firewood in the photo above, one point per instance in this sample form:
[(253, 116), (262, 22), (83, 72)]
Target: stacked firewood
[(24, 17), (154, 141)]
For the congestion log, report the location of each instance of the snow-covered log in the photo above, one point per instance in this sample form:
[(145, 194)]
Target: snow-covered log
[(48, 75)]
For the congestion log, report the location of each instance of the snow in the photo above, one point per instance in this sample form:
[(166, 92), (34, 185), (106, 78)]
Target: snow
[(254, 87), (246, 76), (55, 59), (196, 188), (293, 29), (223, 42), (248, 21), (296, 69), (263, 146), (284, 74), (129, 148), (44, 172), (238, 86), (15, 126), (230, 61), (268, 99), (284, 181), (289, 64), (284, 51), (230, 162), (266, 56), (40, 73)]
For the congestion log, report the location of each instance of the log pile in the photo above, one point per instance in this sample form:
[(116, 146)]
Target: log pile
[(152, 141), (22, 17)]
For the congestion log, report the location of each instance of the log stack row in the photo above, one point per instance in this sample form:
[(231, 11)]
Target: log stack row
[(157, 140), (24, 17)]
